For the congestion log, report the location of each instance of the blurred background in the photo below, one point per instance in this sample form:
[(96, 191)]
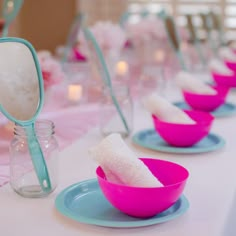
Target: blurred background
[(46, 23)]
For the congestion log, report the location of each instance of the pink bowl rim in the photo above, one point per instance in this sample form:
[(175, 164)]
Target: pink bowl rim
[(211, 118), (230, 62), (146, 158), (223, 75), (217, 87)]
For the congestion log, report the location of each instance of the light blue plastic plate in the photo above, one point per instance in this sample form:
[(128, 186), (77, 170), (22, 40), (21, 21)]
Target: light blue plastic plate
[(85, 203), (226, 109), (150, 139)]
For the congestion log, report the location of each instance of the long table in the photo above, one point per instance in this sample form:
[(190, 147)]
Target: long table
[(210, 190)]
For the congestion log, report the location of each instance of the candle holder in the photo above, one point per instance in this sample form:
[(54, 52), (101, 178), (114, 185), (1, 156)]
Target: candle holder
[(76, 83), (110, 121)]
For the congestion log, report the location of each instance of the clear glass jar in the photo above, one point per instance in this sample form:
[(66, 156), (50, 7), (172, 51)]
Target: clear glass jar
[(23, 178), (110, 119)]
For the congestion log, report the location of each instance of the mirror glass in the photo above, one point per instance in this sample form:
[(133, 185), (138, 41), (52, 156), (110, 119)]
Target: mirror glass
[(19, 83)]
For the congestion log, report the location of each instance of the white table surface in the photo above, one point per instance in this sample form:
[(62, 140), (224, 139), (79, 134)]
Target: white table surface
[(210, 191)]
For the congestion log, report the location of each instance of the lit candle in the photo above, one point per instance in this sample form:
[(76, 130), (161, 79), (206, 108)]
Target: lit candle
[(74, 92), (122, 68), (159, 55)]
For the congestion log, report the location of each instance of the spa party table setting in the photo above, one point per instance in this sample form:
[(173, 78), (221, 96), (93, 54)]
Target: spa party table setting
[(156, 161), (209, 191), (187, 188)]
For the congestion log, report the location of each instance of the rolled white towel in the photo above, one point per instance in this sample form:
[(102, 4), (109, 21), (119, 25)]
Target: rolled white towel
[(121, 165), (166, 111), (219, 67), (227, 54), (189, 83)]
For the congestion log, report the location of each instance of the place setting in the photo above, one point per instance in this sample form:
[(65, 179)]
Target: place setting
[(198, 95), (128, 191), (176, 130)]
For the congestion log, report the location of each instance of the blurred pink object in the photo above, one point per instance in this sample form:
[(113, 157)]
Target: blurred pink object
[(228, 56), (150, 28), (206, 102), (184, 135), (224, 80), (146, 202), (78, 56), (231, 64), (109, 36), (51, 69)]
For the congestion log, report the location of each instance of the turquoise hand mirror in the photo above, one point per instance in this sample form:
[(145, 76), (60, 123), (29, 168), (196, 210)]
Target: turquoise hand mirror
[(73, 34), (21, 96), (196, 42), (105, 74), (9, 12), (174, 38)]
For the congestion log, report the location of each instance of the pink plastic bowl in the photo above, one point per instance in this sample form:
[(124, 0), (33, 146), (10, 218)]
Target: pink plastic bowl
[(224, 80), (204, 102), (185, 135), (231, 65), (147, 202)]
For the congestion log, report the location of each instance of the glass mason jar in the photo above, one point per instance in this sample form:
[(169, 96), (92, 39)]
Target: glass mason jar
[(23, 178), (110, 118)]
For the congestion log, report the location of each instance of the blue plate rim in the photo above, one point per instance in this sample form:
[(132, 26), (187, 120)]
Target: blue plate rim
[(180, 150), (214, 113), (60, 206)]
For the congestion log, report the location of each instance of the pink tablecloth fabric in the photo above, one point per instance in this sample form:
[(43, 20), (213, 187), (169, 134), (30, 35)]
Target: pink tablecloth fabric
[(70, 124)]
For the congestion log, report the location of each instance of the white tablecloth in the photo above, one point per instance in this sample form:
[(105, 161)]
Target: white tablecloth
[(210, 191)]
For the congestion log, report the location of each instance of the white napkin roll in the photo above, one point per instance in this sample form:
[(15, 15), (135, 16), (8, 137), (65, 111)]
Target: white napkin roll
[(219, 67), (166, 111), (227, 54), (189, 83), (120, 163)]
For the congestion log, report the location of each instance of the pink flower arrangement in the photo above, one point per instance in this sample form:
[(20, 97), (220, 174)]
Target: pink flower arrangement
[(150, 29), (51, 69), (109, 36), (147, 29)]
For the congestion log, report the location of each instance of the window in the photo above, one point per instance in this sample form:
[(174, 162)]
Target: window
[(179, 8)]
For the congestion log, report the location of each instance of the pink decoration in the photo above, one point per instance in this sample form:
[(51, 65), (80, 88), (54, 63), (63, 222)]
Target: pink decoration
[(109, 36), (149, 28), (78, 56), (51, 69)]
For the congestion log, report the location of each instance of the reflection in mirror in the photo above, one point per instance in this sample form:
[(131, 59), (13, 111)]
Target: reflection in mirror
[(1, 25), (19, 90)]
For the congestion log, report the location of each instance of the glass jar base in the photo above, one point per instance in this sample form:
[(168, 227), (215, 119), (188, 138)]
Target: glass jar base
[(32, 191)]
